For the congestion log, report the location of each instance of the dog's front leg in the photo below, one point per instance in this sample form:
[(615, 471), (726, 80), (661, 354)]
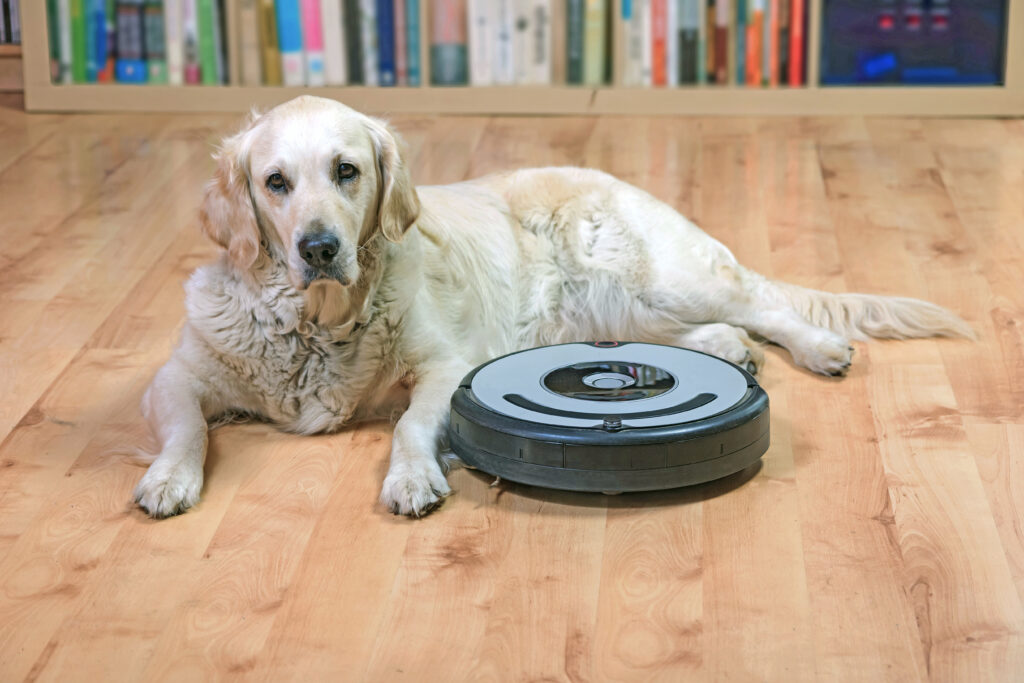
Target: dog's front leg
[(415, 483), (176, 406)]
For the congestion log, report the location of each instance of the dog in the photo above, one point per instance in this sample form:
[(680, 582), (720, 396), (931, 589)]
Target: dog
[(345, 293)]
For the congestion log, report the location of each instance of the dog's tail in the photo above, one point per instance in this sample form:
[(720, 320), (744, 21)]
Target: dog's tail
[(857, 316)]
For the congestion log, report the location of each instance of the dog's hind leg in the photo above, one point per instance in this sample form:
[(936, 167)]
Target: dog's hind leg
[(725, 341)]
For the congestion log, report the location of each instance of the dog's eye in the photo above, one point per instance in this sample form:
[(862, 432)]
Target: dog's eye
[(276, 183), (347, 171)]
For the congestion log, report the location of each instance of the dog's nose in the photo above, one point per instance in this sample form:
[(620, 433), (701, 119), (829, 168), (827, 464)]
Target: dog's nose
[(319, 249)]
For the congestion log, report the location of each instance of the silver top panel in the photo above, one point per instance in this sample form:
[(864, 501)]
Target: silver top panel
[(694, 373)]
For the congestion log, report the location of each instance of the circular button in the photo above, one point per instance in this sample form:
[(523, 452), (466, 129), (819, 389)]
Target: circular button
[(608, 380)]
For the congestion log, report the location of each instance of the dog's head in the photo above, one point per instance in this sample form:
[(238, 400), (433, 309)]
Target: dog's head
[(313, 180)]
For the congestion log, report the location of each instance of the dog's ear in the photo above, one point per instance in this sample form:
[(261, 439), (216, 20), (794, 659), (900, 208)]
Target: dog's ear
[(398, 205), (227, 214)]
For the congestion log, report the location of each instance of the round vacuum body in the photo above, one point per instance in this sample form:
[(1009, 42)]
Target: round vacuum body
[(609, 416)]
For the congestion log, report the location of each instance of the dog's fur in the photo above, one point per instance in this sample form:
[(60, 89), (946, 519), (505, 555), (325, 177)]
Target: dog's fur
[(431, 281)]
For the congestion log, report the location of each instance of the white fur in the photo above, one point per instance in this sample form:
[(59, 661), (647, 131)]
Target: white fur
[(483, 268)]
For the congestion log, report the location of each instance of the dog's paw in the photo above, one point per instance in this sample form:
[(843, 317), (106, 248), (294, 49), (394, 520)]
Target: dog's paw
[(728, 342), (831, 355), (168, 491), (415, 488)]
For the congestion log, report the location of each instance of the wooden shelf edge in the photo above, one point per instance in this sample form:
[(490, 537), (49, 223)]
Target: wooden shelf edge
[(707, 101), (10, 51)]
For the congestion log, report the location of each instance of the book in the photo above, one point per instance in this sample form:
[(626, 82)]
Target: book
[(672, 42), (503, 66), (65, 50), (414, 48), (755, 32), (96, 39), (249, 42), (312, 43), (482, 41), (53, 39), (448, 59), (631, 65), (386, 43), (207, 32), (702, 41), (740, 36), (5, 22), (710, 29), (153, 41), (106, 47), (131, 64), (540, 43), (332, 25), (401, 45), (688, 40), (646, 43), (289, 43), (558, 31), (354, 41), (721, 41), (770, 41), (595, 62), (659, 26), (574, 42), (270, 56), (190, 34), (521, 29), (15, 23), (368, 30), (796, 44), (783, 40), (79, 48), (174, 44)]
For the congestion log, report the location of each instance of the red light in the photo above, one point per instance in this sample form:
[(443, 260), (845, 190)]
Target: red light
[(940, 22), (914, 21), (886, 22)]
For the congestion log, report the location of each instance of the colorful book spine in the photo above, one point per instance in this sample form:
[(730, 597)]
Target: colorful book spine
[(710, 31), (190, 35), (482, 34), (722, 42), (558, 36), (174, 43), (755, 31), (354, 41), (106, 48), (771, 32), (595, 56), (633, 39), (387, 75), (289, 43), (702, 41), (659, 25), (131, 57), (574, 42), (67, 52), (503, 67), (796, 44), (15, 23), (741, 41), (448, 59), (96, 39), (249, 42), (783, 40), (332, 25), (521, 27), (368, 27), (672, 42), (540, 43), (153, 41), (401, 45), (207, 42), (414, 46), (53, 39), (270, 56), (647, 42), (312, 43), (688, 40)]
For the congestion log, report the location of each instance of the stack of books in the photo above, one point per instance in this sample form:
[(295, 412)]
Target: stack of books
[(10, 23), (752, 43), (650, 43)]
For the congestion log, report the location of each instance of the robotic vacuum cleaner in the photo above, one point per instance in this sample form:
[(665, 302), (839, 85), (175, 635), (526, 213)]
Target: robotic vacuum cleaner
[(609, 416)]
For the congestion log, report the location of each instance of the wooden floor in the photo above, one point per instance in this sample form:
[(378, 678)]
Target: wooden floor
[(881, 539)]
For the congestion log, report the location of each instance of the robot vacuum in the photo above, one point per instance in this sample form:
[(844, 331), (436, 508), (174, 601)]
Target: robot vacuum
[(609, 416)]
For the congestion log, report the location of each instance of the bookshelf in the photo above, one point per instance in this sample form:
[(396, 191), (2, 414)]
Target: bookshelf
[(812, 100)]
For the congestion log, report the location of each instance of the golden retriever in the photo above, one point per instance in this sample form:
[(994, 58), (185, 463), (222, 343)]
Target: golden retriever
[(344, 292)]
